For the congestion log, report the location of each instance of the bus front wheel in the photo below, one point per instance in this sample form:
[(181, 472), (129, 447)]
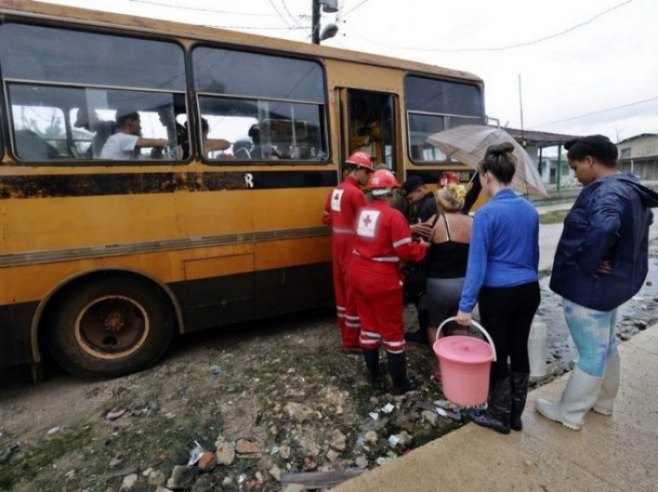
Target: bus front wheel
[(111, 327)]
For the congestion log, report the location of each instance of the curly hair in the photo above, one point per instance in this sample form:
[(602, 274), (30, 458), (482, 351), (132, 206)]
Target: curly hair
[(451, 197)]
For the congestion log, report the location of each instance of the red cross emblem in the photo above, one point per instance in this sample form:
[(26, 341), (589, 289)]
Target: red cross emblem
[(367, 220)]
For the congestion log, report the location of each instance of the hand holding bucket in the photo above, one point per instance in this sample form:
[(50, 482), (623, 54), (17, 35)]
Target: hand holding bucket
[(465, 365)]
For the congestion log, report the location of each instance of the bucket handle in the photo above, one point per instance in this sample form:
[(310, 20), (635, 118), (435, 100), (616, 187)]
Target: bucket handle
[(473, 323)]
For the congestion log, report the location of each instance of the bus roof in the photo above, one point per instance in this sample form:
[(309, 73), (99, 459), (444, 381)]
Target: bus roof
[(200, 33)]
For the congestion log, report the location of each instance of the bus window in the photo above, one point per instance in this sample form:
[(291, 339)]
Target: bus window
[(437, 105), (372, 125), (268, 107), (57, 115)]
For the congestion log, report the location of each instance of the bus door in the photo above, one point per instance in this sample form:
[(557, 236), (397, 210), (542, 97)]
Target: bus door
[(368, 124)]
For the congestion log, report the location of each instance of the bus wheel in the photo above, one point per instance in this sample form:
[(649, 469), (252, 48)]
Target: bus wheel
[(110, 327)]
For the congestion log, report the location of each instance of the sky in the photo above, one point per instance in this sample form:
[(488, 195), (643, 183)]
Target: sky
[(564, 66)]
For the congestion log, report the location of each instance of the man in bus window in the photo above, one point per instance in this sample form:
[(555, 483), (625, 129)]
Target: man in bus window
[(125, 144), (101, 129)]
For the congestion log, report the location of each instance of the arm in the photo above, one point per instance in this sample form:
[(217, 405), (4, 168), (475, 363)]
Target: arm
[(151, 142), (326, 214), (477, 264), (212, 144), (406, 248), (605, 222)]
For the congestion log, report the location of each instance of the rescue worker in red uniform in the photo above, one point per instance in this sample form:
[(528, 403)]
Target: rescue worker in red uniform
[(383, 238), (343, 204)]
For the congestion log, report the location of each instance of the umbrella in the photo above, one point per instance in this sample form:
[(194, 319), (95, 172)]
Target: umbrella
[(468, 144)]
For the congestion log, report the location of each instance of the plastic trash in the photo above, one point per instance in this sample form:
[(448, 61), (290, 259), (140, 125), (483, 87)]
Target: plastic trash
[(374, 416), (388, 408), (195, 454)]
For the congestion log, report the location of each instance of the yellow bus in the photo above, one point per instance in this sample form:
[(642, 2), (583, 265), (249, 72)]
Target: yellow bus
[(159, 177)]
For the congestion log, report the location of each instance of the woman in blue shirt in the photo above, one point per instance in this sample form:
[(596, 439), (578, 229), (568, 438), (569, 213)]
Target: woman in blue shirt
[(502, 277)]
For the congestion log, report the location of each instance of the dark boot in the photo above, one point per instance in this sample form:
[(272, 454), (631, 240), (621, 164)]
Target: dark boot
[(499, 409), (519, 395), (372, 363), (397, 368)]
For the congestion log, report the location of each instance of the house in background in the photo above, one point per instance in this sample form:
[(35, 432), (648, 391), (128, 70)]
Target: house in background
[(642, 145), (554, 169), (639, 155)]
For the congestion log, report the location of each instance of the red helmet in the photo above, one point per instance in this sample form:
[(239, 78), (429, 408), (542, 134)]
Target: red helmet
[(448, 177), (382, 179), (361, 159)]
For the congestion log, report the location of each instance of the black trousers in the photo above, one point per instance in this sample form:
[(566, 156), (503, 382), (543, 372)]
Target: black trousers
[(507, 313)]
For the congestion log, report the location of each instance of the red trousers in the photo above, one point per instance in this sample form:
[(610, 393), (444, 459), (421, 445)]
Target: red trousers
[(378, 293), (348, 319)]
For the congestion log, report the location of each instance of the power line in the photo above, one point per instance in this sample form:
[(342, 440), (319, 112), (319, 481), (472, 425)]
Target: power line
[(285, 7), (279, 13), (354, 8), (505, 47), (644, 101)]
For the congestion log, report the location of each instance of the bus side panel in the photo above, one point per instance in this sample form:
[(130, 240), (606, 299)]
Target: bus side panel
[(15, 333), (221, 300)]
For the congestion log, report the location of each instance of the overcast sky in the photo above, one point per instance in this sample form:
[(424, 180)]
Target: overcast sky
[(586, 66)]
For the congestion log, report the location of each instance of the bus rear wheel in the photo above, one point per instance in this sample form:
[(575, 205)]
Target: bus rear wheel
[(111, 327)]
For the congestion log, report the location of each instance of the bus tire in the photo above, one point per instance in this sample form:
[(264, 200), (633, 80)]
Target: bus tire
[(111, 327)]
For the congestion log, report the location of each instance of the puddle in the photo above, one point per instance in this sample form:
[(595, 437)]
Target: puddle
[(640, 312)]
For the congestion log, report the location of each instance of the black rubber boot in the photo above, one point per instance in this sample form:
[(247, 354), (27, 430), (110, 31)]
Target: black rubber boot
[(519, 395), (397, 367), (372, 364), (498, 413)]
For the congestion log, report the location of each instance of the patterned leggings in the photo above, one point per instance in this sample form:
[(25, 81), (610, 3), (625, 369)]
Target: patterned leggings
[(593, 332)]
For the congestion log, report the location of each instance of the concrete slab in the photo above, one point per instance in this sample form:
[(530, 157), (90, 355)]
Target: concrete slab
[(609, 453)]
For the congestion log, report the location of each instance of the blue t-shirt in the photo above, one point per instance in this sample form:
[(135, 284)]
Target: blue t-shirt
[(504, 249)]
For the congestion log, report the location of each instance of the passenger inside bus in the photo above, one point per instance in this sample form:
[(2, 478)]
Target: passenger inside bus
[(127, 142), (89, 120), (211, 144), (175, 133)]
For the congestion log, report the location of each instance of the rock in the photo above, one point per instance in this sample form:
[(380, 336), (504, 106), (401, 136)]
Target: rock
[(372, 437), (641, 325), (298, 412), (207, 462), (116, 461), (205, 483), (129, 481), (333, 455), (156, 477), (430, 416), (309, 464), (625, 336), (361, 461), (382, 460), (227, 482), (338, 441), (225, 453), (162, 489), (284, 452), (182, 477), (275, 471), (248, 447)]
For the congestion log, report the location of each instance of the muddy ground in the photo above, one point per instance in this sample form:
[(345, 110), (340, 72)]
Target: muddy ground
[(272, 398)]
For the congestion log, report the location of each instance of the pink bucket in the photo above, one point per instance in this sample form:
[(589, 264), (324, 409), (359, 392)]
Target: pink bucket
[(465, 364)]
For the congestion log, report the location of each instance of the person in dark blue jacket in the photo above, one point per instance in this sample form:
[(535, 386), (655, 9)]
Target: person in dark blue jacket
[(601, 261), (502, 277)]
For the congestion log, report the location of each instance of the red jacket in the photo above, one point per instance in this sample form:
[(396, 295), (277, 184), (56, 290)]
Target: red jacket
[(343, 203), (383, 236)]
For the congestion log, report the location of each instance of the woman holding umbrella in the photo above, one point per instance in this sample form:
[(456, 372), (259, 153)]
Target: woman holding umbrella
[(502, 276)]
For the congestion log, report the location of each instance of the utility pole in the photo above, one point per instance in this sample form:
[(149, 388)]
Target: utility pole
[(315, 22)]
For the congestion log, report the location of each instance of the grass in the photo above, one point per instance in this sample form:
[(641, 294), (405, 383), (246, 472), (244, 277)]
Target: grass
[(555, 217)]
